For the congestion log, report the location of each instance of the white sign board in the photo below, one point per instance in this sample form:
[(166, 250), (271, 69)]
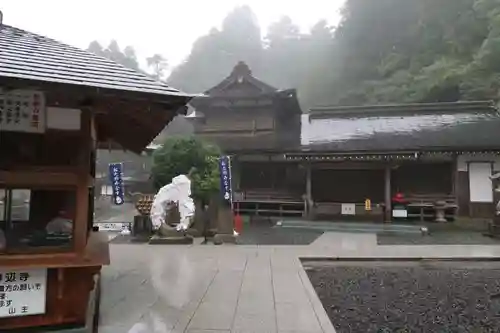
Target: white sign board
[(480, 185), (22, 111), (111, 226), (348, 209), (22, 292), (63, 118), (401, 213)]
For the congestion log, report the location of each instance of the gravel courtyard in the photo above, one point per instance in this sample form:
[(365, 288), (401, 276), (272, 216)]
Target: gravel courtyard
[(409, 296)]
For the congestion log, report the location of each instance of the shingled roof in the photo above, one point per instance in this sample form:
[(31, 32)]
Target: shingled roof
[(417, 127), (28, 56)]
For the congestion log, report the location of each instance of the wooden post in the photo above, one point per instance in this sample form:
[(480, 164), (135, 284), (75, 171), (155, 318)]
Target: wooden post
[(387, 193), (454, 175), (82, 193), (308, 190), (235, 173)]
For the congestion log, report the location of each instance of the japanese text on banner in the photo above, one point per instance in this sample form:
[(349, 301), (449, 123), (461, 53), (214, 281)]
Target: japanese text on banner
[(225, 178), (115, 174)]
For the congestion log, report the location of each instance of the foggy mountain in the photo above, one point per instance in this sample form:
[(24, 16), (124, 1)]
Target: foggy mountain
[(384, 51)]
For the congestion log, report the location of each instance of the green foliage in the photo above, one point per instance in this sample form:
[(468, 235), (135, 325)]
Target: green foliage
[(396, 51), (214, 55), (178, 156), (284, 58), (384, 51)]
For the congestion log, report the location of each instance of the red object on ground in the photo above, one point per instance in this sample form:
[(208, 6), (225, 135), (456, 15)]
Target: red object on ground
[(238, 221), (399, 198)]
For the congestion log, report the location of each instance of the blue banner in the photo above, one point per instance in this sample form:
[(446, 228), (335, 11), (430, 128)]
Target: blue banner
[(225, 178), (115, 175)]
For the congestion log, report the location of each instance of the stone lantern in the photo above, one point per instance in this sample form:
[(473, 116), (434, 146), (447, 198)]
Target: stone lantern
[(440, 208)]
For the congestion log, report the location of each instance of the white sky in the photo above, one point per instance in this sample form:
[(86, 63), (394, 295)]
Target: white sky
[(151, 26)]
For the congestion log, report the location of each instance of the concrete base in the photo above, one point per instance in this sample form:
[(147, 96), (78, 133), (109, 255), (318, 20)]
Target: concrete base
[(193, 232), (224, 238), (169, 231), (211, 232), (159, 240)]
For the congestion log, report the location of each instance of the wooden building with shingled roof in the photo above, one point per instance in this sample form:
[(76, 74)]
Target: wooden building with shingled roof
[(58, 104), (255, 123), (329, 161), (442, 152)]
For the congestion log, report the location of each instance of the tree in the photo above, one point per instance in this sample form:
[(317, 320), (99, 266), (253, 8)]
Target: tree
[(113, 52), (158, 64), (286, 58), (397, 51), (282, 32), (178, 156), (95, 48), (214, 55)]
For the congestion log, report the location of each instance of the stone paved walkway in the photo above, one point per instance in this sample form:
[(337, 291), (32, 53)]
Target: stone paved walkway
[(233, 288)]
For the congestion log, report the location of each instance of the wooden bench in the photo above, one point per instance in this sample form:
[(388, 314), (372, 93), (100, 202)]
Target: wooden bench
[(422, 206)]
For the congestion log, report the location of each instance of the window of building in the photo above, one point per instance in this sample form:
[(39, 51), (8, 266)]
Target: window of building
[(36, 220)]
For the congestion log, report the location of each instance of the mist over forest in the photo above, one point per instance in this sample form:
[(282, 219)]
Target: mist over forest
[(384, 51)]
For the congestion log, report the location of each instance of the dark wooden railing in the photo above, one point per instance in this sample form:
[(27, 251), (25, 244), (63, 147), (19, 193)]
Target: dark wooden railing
[(422, 206), (269, 203)]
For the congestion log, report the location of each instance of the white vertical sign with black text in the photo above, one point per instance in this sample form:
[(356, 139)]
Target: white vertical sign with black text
[(22, 292)]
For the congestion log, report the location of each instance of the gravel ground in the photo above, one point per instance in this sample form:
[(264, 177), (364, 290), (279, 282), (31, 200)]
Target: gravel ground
[(448, 237), (268, 235), (409, 297)]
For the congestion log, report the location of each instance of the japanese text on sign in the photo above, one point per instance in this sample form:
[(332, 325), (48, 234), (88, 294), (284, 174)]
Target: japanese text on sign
[(22, 292), (22, 111), (225, 177), (115, 174)]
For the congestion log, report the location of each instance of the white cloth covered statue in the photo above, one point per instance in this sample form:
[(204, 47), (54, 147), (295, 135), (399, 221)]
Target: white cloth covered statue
[(179, 191)]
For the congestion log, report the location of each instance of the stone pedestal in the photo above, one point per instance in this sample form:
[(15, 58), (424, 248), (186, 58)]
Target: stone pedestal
[(168, 235), (172, 240), (225, 226), (196, 229), (440, 208), (142, 226), (213, 213)]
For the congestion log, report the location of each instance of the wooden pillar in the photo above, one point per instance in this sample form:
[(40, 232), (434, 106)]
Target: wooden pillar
[(387, 193), (235, 173), (454, 176), (309, 198), (84, 182)]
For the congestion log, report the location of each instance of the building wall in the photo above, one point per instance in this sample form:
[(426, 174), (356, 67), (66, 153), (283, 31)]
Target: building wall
[(283, 177), (427, 178)]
